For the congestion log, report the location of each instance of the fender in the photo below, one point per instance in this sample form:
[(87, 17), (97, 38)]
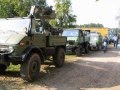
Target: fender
[(28, 51)]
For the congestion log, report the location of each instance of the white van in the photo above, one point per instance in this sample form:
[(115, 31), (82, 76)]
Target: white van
[(95, 40)]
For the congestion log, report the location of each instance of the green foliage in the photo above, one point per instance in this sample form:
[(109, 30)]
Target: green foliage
[(13, 68), (92, 25), (53, 23), (16, 8), (21, 8), (64, 18)]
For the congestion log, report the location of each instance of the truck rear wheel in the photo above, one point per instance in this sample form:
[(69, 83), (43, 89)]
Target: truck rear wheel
[(78, 52), (99, 47), (59, 57), (2, 68), (87, 49), (30, 69)]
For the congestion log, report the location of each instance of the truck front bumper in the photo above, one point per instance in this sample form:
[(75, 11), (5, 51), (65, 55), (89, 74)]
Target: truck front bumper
[(6, 58), (70, 49), (3, 58)]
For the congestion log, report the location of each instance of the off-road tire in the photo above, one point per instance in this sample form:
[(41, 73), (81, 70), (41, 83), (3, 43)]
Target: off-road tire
[(30, 69), (2, 68), (99, 47), (59, 57), (78, 52), (87, 49)]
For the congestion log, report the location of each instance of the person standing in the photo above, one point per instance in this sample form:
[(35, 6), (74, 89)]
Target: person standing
[(105, 43), (115, 38)]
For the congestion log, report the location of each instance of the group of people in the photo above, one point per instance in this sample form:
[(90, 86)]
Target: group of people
[(106, 41)]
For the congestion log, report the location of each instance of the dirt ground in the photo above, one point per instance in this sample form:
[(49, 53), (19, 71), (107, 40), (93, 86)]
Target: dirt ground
[(95, 71)]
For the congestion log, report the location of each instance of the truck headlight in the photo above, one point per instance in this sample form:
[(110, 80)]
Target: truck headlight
[(6, 49), (10, 49)]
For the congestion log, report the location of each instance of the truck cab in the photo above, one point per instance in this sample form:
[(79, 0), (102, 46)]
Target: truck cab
[(76, 41)]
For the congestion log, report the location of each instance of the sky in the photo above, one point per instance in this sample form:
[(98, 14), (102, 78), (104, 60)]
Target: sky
[(90, 11)]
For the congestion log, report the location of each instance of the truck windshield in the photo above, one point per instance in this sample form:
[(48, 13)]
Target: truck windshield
[(14, 25), (70, 33), (93, 38)]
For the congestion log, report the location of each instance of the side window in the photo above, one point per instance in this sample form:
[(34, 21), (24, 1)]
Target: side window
[(38, 27)]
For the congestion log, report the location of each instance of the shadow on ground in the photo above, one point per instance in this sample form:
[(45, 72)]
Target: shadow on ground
[(111, 52), (73, 76)]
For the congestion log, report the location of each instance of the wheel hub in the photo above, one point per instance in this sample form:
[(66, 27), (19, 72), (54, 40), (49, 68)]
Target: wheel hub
[(34, 67)]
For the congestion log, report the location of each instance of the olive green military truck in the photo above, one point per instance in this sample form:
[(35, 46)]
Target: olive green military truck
[(77, 41), (30, 41)]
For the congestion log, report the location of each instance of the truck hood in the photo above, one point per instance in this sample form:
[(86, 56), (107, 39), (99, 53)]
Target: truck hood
[(11, 38)]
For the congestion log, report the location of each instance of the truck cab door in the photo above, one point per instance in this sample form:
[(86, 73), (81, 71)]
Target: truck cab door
[(81, 36), (38, 37)]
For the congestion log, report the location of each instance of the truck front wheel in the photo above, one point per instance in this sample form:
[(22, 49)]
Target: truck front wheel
[(59, 57), (87, 49), (78, 51), (30, 69)]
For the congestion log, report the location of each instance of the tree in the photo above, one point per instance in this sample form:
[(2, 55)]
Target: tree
[(64, 18), (13, 8), (92, 25)]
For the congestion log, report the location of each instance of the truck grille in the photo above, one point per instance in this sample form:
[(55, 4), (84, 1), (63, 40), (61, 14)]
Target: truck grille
[(3, 49)]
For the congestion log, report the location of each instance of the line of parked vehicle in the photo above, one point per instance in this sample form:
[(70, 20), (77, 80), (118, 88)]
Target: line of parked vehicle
[(81, 41), (33, 41)]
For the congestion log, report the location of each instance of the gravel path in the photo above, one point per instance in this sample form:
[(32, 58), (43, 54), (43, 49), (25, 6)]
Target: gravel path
[(96, 71)]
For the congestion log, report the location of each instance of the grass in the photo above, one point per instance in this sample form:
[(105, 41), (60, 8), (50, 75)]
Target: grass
[(17, 67), (13, 68)]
